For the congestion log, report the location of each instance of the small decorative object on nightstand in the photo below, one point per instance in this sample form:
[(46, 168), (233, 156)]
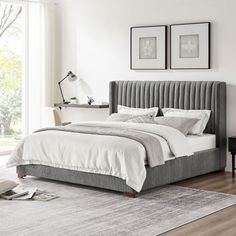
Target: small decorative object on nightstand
[(232, 149), (90, 100)]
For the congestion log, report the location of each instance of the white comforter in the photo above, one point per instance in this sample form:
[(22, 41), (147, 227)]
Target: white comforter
[(108, 155)]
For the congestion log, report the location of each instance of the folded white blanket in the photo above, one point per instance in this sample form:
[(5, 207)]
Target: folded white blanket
[(109, 155)]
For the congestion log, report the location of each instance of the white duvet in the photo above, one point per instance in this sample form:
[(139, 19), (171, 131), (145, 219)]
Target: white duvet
[(101, 154)]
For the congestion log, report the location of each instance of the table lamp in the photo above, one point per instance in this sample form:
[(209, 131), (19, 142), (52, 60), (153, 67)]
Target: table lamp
[(71, 77)]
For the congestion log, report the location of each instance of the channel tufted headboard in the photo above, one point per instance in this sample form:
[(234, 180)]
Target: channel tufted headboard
[(209, 95)]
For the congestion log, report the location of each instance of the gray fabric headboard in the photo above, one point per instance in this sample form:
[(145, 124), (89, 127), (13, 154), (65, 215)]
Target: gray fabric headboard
[(209, 95)]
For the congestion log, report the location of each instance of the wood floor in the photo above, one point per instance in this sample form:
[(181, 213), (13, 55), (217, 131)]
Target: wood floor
[(220, 223)]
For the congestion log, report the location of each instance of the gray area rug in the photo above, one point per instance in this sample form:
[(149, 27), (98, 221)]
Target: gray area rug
[(89, 211)]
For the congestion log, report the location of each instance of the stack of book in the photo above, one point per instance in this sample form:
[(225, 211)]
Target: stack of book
[(10, 190), (19, 193)]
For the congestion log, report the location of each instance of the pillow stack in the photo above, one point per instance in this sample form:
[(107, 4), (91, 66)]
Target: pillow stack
[(186, 121), (202, 115)]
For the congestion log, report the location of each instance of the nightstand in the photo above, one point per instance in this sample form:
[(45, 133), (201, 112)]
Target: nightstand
[(232, 149)]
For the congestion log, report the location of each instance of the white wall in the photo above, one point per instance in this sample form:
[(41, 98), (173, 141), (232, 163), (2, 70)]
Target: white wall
[(94, 43)]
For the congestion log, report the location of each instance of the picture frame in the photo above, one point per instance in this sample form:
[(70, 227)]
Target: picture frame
[(148, 47), (190, 46)]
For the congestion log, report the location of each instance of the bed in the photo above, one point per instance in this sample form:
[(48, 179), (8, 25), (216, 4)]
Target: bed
[(209, 95)]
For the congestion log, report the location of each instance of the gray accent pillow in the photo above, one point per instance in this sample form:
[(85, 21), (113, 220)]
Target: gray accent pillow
[(6, 185), (184, 125), (141, 119), (120, 117), (202, 116)]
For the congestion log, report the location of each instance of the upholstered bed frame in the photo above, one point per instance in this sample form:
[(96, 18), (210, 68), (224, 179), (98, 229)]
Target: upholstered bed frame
[(142, 94)]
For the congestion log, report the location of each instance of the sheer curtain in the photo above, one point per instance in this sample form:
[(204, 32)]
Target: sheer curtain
[(39, 61)]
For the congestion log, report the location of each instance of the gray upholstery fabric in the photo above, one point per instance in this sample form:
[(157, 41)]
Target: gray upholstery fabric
[(183, 168), (210, 95), (76, 177), (143, 94), (173, 171)]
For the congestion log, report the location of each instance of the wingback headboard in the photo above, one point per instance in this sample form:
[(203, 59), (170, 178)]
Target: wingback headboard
[(209, 95)]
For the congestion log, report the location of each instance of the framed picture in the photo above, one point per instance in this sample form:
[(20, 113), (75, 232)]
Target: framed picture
[(190, 46), (148, 47)]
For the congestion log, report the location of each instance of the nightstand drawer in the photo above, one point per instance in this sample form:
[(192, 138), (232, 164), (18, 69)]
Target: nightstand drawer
[(232, 145)]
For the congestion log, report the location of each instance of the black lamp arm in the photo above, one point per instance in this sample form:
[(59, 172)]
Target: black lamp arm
[(69, 73), (59, 84)]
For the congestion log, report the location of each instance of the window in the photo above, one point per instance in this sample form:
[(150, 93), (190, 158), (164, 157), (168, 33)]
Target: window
[(11, 71)]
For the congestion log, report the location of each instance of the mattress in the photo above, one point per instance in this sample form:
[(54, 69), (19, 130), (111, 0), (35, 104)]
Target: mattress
[(198, 143), (201, 143)]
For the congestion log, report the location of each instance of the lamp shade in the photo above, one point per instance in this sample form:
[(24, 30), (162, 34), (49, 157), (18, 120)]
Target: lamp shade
[(71, 76)]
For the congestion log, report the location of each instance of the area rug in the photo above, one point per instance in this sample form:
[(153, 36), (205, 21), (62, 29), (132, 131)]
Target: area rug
[(89, 211)]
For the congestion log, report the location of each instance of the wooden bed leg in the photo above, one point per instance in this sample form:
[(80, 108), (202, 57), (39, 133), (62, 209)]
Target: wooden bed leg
[(128, 194), (20, 175)]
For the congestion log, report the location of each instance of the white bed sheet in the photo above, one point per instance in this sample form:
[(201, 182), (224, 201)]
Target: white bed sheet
[(197, 143), (201, 143)]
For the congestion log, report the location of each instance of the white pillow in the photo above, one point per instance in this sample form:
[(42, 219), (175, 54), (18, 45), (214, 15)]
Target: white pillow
[(137, 111), (202, 115)]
